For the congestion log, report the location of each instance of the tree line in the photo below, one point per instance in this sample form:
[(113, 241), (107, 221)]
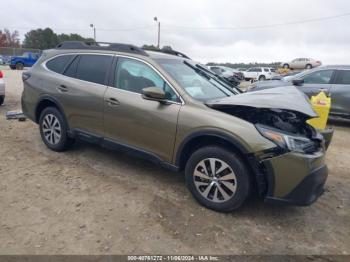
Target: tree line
[(37, 39), (47, 38)]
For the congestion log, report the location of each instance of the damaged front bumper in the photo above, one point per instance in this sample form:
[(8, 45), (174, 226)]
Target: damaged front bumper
[(295, 178)]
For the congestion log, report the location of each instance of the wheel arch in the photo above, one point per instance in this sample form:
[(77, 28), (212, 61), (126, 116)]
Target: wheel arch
[(200, 139), (48, 101), (204, 138)]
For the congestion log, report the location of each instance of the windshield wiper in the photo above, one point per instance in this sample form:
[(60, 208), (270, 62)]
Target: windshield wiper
[(198, 70), (214, 74), (211, 75)]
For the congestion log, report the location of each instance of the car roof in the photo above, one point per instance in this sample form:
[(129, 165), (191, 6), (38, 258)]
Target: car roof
[(157, 55), (339, 67)]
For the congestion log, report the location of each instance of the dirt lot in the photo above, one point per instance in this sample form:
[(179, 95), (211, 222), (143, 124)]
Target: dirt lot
[(94, 201)]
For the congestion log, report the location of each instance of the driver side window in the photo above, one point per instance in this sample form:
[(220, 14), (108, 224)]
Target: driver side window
[(319, 77), (132, 75)]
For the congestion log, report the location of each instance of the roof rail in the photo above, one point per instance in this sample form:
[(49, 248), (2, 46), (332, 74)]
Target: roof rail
[(126, 48), (168, 51)]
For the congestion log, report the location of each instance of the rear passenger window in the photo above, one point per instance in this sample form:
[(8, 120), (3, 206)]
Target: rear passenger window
[(93, 68), (343, 78), (59, 63)]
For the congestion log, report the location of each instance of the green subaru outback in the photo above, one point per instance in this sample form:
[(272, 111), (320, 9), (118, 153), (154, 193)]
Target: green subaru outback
[(180, 115)]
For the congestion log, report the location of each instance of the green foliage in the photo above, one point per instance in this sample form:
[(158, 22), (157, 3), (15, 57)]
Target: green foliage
[(150, 47), (73, 37), (47, 38), (40, 39)]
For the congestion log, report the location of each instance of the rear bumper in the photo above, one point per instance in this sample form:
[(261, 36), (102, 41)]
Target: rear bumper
[(295, 178)]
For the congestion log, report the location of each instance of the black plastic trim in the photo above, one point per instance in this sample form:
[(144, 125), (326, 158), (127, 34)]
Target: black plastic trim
[(307, 191), (51, 99), (118, 47), (119, 146), (212, 133)]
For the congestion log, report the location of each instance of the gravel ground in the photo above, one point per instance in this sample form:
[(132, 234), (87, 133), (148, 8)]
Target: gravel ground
[(94, 201)]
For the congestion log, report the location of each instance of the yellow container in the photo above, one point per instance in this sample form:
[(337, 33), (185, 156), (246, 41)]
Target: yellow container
[(321, 104)]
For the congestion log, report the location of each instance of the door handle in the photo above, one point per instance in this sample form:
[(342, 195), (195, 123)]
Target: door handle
[(62, 88), (112, 101)]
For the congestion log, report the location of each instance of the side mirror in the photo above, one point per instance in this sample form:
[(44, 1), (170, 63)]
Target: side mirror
[(298, 82), (153, 93)]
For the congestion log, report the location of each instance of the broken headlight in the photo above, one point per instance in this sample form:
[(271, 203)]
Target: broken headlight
[(287, 141)]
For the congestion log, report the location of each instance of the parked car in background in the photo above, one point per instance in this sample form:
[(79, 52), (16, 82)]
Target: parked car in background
[(178, 114), (28, 59), (301, 63), (5, 59), (333, 80), (227, 74), (2, 88), (259, 73), (227, 71), (280, 76)]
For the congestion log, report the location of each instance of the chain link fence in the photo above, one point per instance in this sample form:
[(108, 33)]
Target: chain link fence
[(7, 52)]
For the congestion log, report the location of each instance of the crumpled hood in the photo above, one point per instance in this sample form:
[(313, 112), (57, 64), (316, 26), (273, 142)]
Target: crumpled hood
[(287, 98)]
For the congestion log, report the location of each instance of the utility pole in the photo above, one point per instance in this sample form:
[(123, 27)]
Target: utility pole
[(158, 22), (92, 26)]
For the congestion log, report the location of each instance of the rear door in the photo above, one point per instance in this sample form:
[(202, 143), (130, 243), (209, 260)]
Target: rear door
[(340, 94), (82, 89), (317, 81)]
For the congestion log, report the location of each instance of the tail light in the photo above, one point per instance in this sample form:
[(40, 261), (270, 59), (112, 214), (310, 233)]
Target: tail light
[(1, 74)]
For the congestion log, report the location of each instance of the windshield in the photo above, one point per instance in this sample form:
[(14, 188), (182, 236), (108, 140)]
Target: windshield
[(196, 82)]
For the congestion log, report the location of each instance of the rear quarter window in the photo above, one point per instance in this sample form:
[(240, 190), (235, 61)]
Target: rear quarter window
[(343, 78), (59, 63)]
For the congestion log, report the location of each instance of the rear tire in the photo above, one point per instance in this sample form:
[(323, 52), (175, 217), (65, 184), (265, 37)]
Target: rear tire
[(262, 78), (223, 190), (19, 66), (54, 130), (308, 66), (2, 98)]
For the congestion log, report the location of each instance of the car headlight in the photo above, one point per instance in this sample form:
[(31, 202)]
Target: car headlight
[(287, 141)]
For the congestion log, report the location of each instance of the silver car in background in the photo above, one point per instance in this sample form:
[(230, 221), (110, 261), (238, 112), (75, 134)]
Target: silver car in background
[(301, 63), (333, 80)]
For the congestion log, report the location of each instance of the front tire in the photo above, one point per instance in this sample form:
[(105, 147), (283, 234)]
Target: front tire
[(19, 66), (285, 66), (308, 66), (224, 189), (54, 130), (2, 98)]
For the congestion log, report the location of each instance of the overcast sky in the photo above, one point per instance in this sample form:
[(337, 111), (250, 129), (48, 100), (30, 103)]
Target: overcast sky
[(199, 27)]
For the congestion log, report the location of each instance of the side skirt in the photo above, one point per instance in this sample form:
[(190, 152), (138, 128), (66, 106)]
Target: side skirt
[(118, 146)]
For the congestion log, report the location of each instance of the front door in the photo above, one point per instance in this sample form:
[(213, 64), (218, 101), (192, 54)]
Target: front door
[(340, 94), (317, 81), (131, 120)]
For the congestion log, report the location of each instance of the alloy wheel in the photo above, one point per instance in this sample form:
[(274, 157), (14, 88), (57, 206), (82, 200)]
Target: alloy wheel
[(215, 180), (51, 128)]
